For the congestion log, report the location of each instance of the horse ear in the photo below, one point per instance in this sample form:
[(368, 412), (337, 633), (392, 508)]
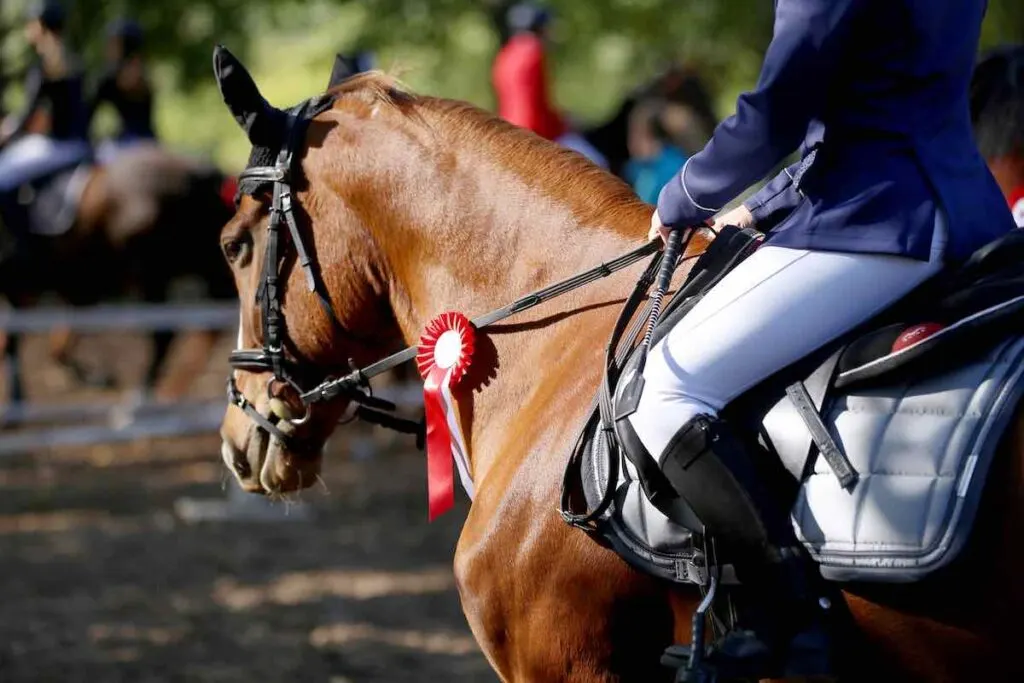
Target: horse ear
[(342, 70), (262, 123)]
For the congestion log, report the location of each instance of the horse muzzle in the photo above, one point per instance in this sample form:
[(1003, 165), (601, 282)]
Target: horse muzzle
[(265, 465)]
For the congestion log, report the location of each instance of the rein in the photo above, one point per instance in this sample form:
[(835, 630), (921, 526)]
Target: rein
[(332, 388), (354, 386)]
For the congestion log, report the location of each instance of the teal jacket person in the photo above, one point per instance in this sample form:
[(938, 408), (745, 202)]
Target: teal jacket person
[(649, 175)]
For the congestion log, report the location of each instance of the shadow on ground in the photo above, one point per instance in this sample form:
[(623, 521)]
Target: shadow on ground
[(101, 582)]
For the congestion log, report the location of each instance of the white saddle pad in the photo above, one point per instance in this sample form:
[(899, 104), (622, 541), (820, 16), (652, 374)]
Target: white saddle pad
[(922, 450)]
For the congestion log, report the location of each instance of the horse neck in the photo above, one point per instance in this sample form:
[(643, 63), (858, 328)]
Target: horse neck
[(500, 230)]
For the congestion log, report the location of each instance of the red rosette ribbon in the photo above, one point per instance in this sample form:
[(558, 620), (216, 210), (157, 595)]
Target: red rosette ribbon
[(443, 357)]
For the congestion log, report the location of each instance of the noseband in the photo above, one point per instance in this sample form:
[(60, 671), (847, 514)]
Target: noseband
[(355, 386)]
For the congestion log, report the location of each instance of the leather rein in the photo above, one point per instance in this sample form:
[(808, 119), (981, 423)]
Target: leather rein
[(355, 386)]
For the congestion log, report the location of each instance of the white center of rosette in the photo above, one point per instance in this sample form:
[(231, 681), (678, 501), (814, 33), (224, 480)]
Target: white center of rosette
[(448, 349)]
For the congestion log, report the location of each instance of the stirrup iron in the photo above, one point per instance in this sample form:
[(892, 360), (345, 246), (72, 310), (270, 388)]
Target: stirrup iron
[(696, 669)]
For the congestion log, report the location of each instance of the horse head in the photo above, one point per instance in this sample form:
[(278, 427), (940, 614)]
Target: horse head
[(341, 247)]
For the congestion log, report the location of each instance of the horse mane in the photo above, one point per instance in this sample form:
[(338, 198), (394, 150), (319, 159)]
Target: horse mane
[(596, 196)]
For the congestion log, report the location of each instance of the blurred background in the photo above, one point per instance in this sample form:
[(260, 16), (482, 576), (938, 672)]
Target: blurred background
[(600, 49), (127, 555)]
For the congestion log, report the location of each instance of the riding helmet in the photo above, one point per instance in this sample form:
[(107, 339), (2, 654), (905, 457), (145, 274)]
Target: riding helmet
[(129, 32), (526, 16), (49, 13)]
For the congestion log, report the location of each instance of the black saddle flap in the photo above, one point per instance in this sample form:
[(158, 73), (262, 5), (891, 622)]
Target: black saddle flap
[(967, 323), (1007, 252)]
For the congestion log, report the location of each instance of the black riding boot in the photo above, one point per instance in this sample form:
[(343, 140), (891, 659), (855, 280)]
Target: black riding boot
[(784, 627)]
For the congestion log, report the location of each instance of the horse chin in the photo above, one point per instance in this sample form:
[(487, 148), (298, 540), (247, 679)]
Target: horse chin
[(267, 467), (285, 471)]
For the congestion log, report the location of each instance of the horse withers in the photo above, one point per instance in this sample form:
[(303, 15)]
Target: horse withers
[(403, 207)]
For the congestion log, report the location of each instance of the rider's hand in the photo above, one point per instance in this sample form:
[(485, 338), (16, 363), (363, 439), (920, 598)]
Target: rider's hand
[(657, 229), (740, 217)]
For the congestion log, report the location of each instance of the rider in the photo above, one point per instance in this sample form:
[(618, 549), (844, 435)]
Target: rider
[(125, 86), (53, 86), (890, 189), (520, 81)]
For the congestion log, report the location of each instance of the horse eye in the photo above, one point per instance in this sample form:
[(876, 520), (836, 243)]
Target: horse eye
[(237, 249)]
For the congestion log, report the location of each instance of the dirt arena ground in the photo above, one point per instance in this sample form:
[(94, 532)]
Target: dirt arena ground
[(101, 580)]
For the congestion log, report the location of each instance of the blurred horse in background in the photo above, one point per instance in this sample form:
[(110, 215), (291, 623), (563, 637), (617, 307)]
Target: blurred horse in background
[(95, 233), (997, 112)]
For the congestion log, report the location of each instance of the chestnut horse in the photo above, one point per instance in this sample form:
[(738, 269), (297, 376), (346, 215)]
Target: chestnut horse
[(417, 205)]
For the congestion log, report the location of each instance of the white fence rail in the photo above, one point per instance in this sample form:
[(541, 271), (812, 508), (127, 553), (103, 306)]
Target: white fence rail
[(29, 426), (179, 421), (133, 317)]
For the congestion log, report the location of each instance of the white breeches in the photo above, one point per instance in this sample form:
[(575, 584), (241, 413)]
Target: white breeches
[(774, 308), (33, 156)]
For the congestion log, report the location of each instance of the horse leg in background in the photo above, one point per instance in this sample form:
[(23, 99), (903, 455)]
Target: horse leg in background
[(11, 351), (164, 380), (12, 368), (62, 344), (154, 291), (162, 340), (176, 382)]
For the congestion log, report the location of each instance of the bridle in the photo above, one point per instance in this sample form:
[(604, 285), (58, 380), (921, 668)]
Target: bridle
[(272, 358), (355, 386)]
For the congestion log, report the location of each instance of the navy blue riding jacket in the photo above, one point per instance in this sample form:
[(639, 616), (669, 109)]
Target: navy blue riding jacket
[(875, 93)]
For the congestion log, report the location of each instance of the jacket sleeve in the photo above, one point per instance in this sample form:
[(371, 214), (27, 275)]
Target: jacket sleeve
[(771, 120), (775, 200)]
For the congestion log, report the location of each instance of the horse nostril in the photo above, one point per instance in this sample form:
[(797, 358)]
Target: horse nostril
[(241, 466)]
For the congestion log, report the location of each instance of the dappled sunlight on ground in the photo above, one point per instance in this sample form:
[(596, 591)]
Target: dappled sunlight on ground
[(101, 581), (295, 588), (435, 642)]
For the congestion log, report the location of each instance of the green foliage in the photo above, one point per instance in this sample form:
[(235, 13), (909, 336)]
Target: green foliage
[(601, 48)]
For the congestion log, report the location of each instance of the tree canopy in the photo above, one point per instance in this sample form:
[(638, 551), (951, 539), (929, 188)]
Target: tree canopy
[(601, 48)]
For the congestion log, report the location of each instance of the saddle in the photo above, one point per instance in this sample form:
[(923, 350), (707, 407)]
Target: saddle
[(884, 437)]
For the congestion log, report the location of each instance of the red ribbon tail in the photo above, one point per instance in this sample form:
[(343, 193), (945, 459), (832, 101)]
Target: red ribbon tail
[(440, 470)]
